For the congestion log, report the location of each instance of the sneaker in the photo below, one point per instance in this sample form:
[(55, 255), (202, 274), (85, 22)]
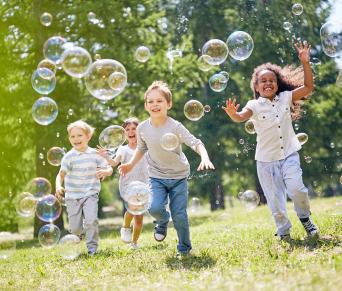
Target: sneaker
[(182, 255), (91, 253), (133, 245), (310, 228), (126, 235), (285, 237), (159, 234)]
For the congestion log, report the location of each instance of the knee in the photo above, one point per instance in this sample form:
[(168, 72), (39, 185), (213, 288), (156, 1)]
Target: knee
[(76, 230), (138, 224), (156, 211), (91, 223), (180, 219)]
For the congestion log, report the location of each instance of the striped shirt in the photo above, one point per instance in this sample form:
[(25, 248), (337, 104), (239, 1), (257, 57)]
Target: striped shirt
[(80, 168)]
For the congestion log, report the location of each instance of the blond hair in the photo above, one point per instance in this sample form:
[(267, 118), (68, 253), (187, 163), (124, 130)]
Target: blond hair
[(161, 87), (131, 120), (89, 130)]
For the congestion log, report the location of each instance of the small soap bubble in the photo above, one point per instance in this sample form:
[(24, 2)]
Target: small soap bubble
[(39, 187), (169, 141), (54, 156), (53, 49), (44, 111), (207, 108), (97, 57), (91, 17), (25, 204), (332, 145), (308, 159), (297, 9), (287, 25), (43, 81), (46, 63), (217, 50), (70, 111), (49, 235), (218, 82), (241, 141), (249, 127), (142, 54), (69, 247), (117, 81), (193, 110), (250, 199), (195, 204), (76, 61), (302, 137), (46, 19)]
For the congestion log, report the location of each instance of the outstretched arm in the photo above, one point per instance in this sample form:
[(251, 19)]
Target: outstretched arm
[(231, 110), (104, 153), (303, 50), (205, 164), (125, 168)]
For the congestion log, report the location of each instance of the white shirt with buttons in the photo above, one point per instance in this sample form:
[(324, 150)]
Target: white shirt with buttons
[(272, 121)]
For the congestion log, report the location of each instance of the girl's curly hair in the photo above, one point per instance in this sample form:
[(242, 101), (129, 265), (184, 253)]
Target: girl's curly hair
[(288, 78)]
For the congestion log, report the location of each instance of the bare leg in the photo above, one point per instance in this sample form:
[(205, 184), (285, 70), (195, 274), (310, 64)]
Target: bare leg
[(127, 220), (137, 227)]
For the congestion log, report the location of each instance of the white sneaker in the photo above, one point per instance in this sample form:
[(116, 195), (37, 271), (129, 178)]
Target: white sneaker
[(126, 235), (133, 245)]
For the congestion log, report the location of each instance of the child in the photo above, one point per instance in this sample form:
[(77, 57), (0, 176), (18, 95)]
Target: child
[(168, 170), (82, 168), (139, 173), (278, 163)]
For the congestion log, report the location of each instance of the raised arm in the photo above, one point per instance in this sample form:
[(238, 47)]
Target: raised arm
[(231, 110), (303, 50), (125, 168)]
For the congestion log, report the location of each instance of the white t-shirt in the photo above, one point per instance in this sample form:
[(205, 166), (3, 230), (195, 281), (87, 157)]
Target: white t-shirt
[(138, 173), (272, 121)]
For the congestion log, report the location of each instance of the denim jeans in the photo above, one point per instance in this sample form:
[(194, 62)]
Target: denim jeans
[(177, 192), (278, 178)]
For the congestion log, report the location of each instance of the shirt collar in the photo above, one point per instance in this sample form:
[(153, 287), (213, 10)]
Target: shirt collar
[(264, 100), (87, 151)]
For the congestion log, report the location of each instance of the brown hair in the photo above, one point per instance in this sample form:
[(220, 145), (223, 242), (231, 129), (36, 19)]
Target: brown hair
[(161, 87), (288, 78), (131, 120), (82, 125)]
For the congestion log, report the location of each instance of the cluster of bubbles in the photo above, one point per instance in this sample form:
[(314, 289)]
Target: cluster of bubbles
[(112, 137), (302, 137), (193, 110), (250, 199), (137, 198), (169, 141), (218, 82)]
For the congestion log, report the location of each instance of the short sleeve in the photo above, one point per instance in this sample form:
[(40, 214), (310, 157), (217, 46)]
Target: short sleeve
[(120, 153), (65, 164), (186, 137), (141, 144), (251, 106), (286, 97)]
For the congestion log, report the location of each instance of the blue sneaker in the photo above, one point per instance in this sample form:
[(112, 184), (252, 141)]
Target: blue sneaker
[(160, 233)]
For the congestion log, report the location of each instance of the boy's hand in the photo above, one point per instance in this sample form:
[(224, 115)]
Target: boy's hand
[(231, 108), (205, 164), (102, 152), (103, 173), (125, 168), (60, 193), (303, 50)]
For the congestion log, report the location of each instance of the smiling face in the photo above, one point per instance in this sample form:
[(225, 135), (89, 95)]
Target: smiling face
[(267, 84), (156, 104), (130, 132), (79, 139)]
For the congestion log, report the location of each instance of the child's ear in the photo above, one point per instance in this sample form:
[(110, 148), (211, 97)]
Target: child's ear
[(169, 105)]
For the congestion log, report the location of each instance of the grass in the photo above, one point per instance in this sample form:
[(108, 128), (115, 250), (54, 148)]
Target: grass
[(232, 250)]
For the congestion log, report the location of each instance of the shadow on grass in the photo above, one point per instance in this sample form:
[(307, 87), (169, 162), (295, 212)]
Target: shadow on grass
[(316, 243), (191, 262)]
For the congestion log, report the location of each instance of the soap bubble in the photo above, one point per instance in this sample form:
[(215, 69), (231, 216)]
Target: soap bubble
[(97, 78), (302, 137), (76, 61), (91, 16), (117, 81), (250, 199), (39, 187), (331, 38), (46, 63), (218, 82), (55, 155), (308, 159), (137, 197), (7, 245), (169, 141), (48, 208), (70, 111), (142, 54), (206, 108), (240, 45), (249, 127), (204, 63), (44, 111), (195, 204), (46, 19), (25, 204), (54, 48), (193, 110), (69, 247), (49, 235), (112, 137), (43, 81), (217, 50), (297, 9), (287, 25)]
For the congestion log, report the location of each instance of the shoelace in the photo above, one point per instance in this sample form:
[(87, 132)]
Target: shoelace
[(309, 226)]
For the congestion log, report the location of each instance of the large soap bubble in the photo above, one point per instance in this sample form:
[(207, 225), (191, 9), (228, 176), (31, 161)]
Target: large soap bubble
[(54, 48), (142, 54), (137, 197), (331, 38), (97, 78), (55, 155), (218, 82), (48, 208), (69, 247), (112, 137), (240, 45), (169, 141), (249, 127), (217, 50), (49, 235), (25, 204), (43, 80), (76, 61), (193, 110), (44, 111), (39, 187), (302, 137), (250, 199), (7, 245), (46, 19)]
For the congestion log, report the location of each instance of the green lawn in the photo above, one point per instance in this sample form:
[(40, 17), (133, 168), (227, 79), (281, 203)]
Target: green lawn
[(232, 250)]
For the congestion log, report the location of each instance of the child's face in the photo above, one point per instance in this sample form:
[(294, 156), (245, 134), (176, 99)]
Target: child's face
[(79, 139), (156, 104), (130, 132), (267, 84)]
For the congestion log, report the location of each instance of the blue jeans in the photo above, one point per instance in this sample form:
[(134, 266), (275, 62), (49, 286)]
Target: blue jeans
[(177, 191)]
